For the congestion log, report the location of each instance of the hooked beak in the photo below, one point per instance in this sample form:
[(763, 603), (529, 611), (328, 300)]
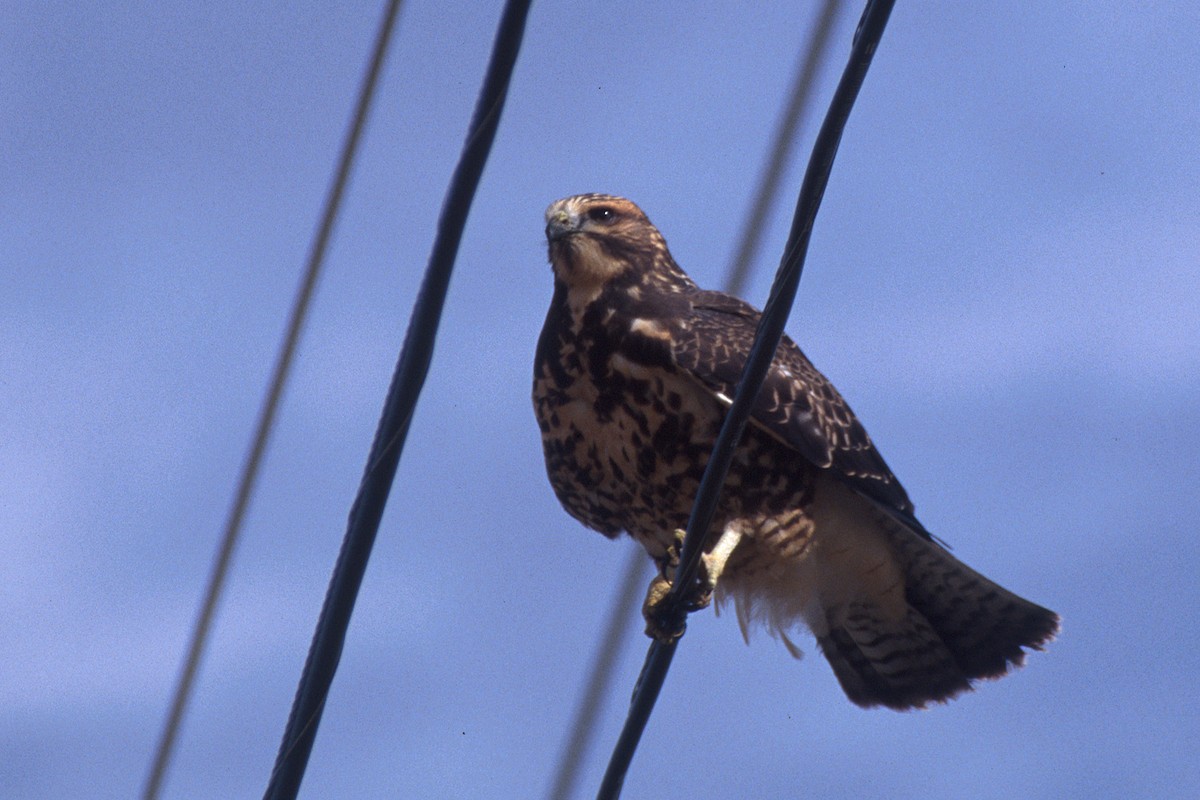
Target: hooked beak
[(560, 224)]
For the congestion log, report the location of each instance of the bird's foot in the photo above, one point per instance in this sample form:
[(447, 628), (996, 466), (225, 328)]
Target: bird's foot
[(663, 621)]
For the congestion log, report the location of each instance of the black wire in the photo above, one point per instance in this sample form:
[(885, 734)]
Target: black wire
[(770, 330), (398, 408), (781, 149), (266, 418), (583, 724)]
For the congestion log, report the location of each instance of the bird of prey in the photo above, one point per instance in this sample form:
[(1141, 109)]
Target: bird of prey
[(635, 368)]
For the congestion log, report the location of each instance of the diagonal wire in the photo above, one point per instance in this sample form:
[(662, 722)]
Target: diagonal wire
[(266, 419), (409, 377), (781, 149), (770, 330), (583, 726)]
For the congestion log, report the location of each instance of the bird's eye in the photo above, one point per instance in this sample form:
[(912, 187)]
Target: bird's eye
[(602, 214)]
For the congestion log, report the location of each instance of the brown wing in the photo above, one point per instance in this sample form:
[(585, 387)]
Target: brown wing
[(797, 405)]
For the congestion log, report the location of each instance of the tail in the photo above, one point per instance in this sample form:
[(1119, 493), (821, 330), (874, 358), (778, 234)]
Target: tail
[(948, 627), (902, 622)]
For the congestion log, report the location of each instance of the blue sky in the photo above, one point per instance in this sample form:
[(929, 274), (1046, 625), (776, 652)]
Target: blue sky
[(1002, 281)]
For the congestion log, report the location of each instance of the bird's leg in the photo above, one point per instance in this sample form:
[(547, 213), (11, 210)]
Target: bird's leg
[(713, 562), (666, 624), (660, 625)]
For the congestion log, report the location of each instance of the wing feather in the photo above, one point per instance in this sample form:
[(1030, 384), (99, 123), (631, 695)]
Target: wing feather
[(797, 404)]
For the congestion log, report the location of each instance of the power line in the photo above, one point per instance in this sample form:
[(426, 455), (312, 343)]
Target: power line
[(781, 148), (583, 726), (409, 377), (770, 330), (266, 419)]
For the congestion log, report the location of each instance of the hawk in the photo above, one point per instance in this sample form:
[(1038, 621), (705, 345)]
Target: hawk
[(635, 368)]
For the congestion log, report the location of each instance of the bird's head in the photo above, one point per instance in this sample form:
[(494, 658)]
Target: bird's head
[(595, 239)]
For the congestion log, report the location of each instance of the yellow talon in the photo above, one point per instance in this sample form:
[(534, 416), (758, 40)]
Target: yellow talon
[(659, 625)]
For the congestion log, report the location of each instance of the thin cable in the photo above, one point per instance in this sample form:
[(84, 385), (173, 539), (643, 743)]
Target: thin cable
[(781, 149), (266, 418), (770, 330), (409, 377), (583, 726)]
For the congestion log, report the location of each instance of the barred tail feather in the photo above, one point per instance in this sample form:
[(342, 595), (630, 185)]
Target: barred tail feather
[(957, 627), (902, 622), (895, 663)]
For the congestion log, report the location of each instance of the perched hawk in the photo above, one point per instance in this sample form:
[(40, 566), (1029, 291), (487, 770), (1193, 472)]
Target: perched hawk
[(635, 368)]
